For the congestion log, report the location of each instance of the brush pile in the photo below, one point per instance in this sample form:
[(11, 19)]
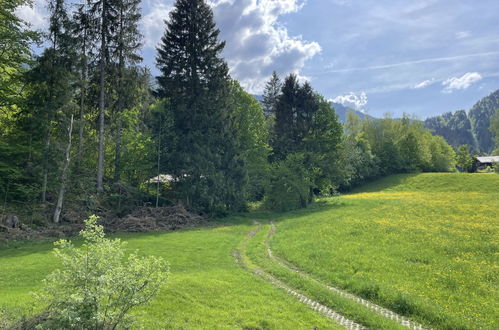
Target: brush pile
[(147, 219)]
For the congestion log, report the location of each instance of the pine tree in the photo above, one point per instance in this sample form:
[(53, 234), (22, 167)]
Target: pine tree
[(195, 78), (271, 94)]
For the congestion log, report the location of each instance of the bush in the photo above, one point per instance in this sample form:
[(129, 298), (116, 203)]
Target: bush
[(97, 286), (290, 185)]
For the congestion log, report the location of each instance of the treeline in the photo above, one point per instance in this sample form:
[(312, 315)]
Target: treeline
[(85, 129)]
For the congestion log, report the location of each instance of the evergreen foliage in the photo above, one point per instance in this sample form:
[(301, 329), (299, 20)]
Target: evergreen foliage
[(205, 160), (271, 94)]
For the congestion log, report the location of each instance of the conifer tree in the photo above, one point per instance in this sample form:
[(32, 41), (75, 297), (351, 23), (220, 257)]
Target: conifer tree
[(285, 118), (127, 44), (271, 94), (53, 77), (195, 78), (105, 13), (82, 32)]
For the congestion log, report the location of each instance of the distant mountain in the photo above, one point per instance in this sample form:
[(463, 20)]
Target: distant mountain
[(480, 115), (472, 129), (454, 127), (259, 98), (342, 111)]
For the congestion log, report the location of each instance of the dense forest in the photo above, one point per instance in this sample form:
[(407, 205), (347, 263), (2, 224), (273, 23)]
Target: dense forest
[(85, 128), (472, 128)]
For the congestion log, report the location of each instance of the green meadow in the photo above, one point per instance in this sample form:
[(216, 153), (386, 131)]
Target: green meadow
[(423, 246)]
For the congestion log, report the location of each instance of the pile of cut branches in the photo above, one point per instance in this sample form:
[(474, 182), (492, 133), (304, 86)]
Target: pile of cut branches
[(148, 219)]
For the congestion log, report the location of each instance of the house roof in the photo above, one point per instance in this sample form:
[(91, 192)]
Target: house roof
[(162, 178), (490, 159)]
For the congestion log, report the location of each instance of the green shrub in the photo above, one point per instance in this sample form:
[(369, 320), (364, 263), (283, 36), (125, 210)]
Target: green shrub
[(97, 285), (290, 185)]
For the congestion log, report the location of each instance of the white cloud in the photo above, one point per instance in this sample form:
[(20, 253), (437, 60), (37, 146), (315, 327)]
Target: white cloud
[(352, 100), (462, 82), (256, 43), (424, 84), (152, 23), (463, 34), (35, 15)]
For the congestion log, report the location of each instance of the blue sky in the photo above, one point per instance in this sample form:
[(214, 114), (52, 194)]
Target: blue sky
[(421, 57)]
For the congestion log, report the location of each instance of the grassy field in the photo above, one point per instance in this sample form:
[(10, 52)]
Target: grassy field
[(423, 245), (207, 288)]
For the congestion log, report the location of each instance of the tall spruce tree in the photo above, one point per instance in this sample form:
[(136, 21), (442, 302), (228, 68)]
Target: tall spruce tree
[(271, 94), (53, 77), (82, 32), (283, 139), (127, 44), (195, 78), (104, 13)]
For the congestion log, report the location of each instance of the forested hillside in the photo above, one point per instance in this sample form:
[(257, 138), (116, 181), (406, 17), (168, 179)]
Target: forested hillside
[(472, 129)]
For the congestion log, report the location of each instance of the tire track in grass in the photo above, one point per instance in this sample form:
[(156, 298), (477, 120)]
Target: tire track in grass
[(240, 256), (374, 307)]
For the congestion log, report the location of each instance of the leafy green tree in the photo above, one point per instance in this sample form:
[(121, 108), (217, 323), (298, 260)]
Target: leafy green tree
[(98, 284), (248, 121), (205, 157), (290, 184), (15, 41), (464, 161), (15, 57)]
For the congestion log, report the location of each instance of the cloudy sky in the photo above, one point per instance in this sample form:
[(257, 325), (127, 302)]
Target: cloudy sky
[(420, 57)]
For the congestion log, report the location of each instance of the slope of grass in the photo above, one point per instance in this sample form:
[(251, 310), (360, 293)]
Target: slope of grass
[(207, 288), (424, 245)]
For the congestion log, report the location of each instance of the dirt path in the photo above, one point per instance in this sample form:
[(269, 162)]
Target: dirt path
[(376, 308), (241, 258)]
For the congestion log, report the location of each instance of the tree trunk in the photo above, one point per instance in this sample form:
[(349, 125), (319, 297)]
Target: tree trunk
[(102, 83), (45, 167), (82, 101), (159, 159), (64, 176), (121, 69)]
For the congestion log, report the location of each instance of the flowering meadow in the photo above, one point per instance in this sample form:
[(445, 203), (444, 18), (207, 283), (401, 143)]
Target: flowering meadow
[(424, 245)]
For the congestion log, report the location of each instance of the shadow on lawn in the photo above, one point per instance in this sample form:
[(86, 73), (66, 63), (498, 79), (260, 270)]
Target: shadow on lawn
[(384, 183)]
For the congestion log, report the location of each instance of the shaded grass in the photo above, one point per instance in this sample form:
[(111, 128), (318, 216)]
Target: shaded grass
[(207, 288), (424, 246)]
